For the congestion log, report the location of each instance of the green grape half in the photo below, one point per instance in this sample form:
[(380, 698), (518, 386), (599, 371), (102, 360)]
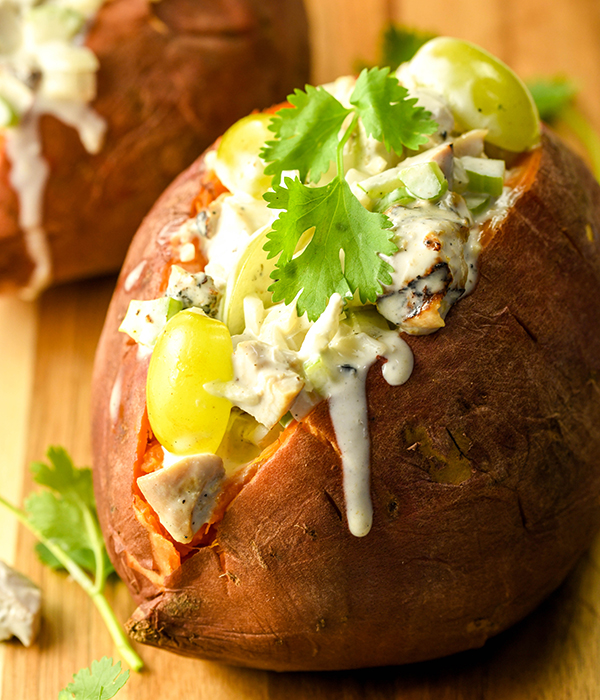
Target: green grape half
[(238, 165), (250, 276), (482, 92), (193, 349)]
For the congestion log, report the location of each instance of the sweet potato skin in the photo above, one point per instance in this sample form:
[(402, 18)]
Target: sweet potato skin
[(173, 76), (485, 475)]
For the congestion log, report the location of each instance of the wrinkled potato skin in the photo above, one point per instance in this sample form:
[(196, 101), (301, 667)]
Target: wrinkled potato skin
[(485, 474), (173, 76)]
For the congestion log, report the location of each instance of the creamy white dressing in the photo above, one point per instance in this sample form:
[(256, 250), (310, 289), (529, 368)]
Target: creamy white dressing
[(348, 410), (232, 221), (349, 415)]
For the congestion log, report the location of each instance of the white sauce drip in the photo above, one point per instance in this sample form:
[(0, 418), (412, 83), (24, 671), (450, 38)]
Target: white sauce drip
[(348, 358), (348, 410)]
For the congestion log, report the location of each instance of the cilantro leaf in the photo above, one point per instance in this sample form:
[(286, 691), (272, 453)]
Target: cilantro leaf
[(62, 476), (102, 682), (66, 515), (340, 223), (307, 134), (400, 44), (61, 522), (64, 519), (388, 114), (551, 96)]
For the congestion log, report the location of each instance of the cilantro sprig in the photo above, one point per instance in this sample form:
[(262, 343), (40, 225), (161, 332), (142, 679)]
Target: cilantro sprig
[(64, 520), (100, 682), (343, 254)]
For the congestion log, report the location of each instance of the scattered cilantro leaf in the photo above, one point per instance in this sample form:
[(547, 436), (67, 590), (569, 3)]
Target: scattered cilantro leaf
[(340, 223), (555, 100), (400, 44), (62, 476), (62, 522), (65, 521), (552, 95), (308, 134), (100, 682), (388, 114)]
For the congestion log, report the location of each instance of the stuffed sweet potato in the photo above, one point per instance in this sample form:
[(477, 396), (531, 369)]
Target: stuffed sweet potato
[(481, 481), (171, 76)]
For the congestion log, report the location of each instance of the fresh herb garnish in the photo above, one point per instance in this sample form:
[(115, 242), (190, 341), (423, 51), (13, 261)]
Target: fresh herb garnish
[(552, 96), (100, 682), (555, 100), (64, 520), (400, 44), (343, 254)]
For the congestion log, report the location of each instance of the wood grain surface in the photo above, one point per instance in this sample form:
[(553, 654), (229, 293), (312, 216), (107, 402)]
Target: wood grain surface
[(46, 355)]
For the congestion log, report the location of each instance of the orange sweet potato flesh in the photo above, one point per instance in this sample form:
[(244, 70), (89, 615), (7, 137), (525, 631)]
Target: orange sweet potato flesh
[(173, 76), (485, 476)]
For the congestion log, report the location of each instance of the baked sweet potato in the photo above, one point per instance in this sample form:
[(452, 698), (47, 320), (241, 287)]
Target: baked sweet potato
[(484, 471), (173, 75)]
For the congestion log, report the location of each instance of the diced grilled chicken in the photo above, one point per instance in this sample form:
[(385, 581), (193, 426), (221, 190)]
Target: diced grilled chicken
[(183, 494), (263, 385), (431, 269)]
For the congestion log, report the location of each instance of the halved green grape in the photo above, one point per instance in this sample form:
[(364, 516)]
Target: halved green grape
[(238, 165), (482, 91), (250, 276), (193, 349)]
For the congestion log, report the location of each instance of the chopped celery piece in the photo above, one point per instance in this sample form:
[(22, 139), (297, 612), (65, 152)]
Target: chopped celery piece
[(485, 175), (379, 185), (316, 372), (477, 202), (286, 420), (424, 180), (366, 319), (398, 196), (8, 115), (145, 320)]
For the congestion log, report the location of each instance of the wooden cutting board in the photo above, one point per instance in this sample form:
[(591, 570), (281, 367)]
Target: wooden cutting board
[(46, 354)]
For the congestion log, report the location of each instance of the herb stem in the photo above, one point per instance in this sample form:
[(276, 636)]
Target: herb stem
[(91, 588), (342, 143), (97, 548), (116, 632)]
